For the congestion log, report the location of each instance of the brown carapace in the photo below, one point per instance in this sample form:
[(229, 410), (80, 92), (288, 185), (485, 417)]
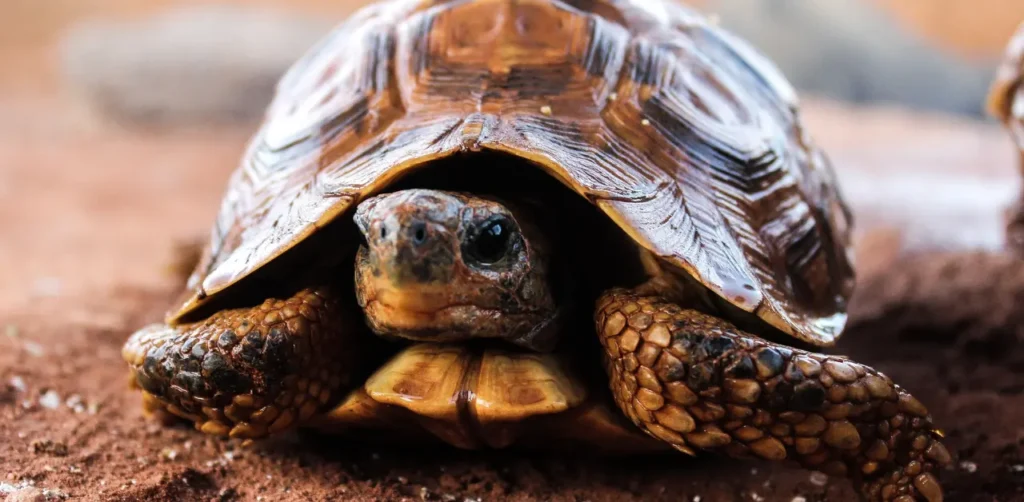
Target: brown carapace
[(1006, 102), (536, 223)]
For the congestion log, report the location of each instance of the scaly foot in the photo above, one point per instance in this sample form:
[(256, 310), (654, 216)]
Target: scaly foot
[(696, 381), (247, 372)]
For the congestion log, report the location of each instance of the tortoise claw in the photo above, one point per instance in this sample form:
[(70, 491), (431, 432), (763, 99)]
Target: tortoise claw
[(246, 372), (696, 381)]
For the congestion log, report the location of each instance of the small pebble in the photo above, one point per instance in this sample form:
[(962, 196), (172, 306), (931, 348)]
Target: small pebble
[(546, 110), (18, 383), (696, 498), (1017, 468), (799, 498), (969, 466), (645, 122), (75, 403), (819, 478), (7, 488), (49, 494), (50, 400)]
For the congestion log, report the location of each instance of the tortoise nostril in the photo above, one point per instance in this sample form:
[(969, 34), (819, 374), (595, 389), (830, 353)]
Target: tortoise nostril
[(419, 232), (383, 232)]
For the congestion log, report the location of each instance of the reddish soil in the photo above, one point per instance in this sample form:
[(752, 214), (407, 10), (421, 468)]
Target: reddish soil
[(90, 218)]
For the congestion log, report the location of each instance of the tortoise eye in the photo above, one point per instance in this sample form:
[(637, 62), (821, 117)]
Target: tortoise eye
[(491, 242)]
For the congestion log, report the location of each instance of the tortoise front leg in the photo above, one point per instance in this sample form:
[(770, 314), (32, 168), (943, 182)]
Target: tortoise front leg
[(696, 381), (247, 372)]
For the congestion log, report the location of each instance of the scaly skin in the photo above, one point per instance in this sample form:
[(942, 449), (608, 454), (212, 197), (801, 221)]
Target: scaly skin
[(696, 381), (437, 262), (247, 372)]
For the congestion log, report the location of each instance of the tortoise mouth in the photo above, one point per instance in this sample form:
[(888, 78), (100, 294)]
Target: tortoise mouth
[(530, 330)]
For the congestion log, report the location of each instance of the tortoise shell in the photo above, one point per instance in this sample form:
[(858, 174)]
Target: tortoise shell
[(1006, 97), (685, 136)]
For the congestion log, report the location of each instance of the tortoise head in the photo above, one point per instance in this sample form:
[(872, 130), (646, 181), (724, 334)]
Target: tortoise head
[(444, 266)]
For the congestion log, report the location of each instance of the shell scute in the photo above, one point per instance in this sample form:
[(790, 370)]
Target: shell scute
[(684, 135)]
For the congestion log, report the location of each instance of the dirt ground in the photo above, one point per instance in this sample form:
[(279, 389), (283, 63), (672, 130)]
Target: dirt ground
[(91, 216)]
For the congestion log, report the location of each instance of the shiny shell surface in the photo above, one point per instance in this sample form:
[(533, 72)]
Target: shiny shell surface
[(685, 136)]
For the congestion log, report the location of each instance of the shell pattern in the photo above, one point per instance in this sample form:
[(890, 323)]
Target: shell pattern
[(684, 135)]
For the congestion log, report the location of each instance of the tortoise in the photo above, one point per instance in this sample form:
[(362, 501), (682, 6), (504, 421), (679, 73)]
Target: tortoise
[(1006, 102), (539, 223)]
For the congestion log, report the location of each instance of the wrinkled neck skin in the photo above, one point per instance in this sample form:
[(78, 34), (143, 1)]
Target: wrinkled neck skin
[(442, 266)]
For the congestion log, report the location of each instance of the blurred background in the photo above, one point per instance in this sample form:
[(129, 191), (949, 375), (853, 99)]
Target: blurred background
[(930, 54), (120, 120)]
